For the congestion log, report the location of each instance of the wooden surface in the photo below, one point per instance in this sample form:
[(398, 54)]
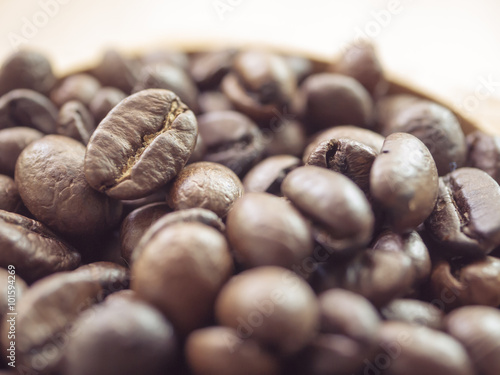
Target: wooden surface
[(447, 48)]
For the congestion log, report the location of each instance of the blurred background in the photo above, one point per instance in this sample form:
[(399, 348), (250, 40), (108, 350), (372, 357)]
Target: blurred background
[(448, 48)]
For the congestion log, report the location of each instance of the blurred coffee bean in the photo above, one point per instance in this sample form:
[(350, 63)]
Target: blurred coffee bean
[(205, 185), (484, 153), (466, 219), (81, 87), (143, 143), (219, 350), (23, 107), (414, 312), (284, 137), (190, 274), (12, 143), (327, 99), (75, 121), (210, 101), (342, 217), (105, 99), (231, 139), (209, 68), (9, 196), (26, 70), (52, 185), (477, 328), (32, 248), (271, 305), (404, 181), (117, 71)]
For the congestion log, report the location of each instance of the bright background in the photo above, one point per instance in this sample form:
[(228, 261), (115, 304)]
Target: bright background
[(449, 48)]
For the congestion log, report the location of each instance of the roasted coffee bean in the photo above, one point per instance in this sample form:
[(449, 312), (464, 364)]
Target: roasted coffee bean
[(81, 87), (414, 312), (346, 156), (477, 328), (50, 179), (26, 70), (466, 219), (347, 321), (267, 176), (210, 101), (141, 145), (23, 107), (414, 350), (404, 181), (12, 288), (327, 99), (12, 142), (117, 71), (436, 126), (476, 283), (46, 313), (75, 121), (264, 230), (189, 274), (342, 215), (205, 185), (104, 101), (286, 137), (360, 62), (484, 153), (32, 248), (121, 336), (208, 69), (271, 305), (135, 225), (9, 196), (260, 85), (219, 350), (169, 77), (231, 139)]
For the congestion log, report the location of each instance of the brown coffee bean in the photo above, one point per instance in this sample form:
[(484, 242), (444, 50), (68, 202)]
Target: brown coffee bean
[(23, 107), (199, 151), (50, 179), (477, 328), (205, 185), (141, 145), (75, 121), (12, 142), (32, 248), (404, 181), (414, 312), (117, 71), (286, 137), (133, 204), (209, 101), (484, 153), (219, 351), (9, 196), (264, 230), (271, 305), (208, 69), (104, 101), (189, 274), (80, 87)]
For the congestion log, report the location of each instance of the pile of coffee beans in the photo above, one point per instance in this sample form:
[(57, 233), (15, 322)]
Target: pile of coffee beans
[(242, 212)]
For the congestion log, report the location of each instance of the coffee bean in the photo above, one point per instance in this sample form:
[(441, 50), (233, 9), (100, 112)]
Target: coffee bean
[(414, 312), (404, 181), (34, 249), (231, 139), (436, 126), (104, 101), (327, 99), (466, 219), (342, 215), (75, 121), (169, 77), (80, 87), (121, 336), (267, 176), (271, 305), (476, 283), (484, 153), (477, 328), (205, 185), (286, 137), (209, 101), (135, 225), (415, 350), (189, 274), (208, 69), (12, 142), (133, 204), (141, 145), (219, 350), (199, 151), (9, 196), (264, 230), (23, 107), (26, 70), (117, 71)]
